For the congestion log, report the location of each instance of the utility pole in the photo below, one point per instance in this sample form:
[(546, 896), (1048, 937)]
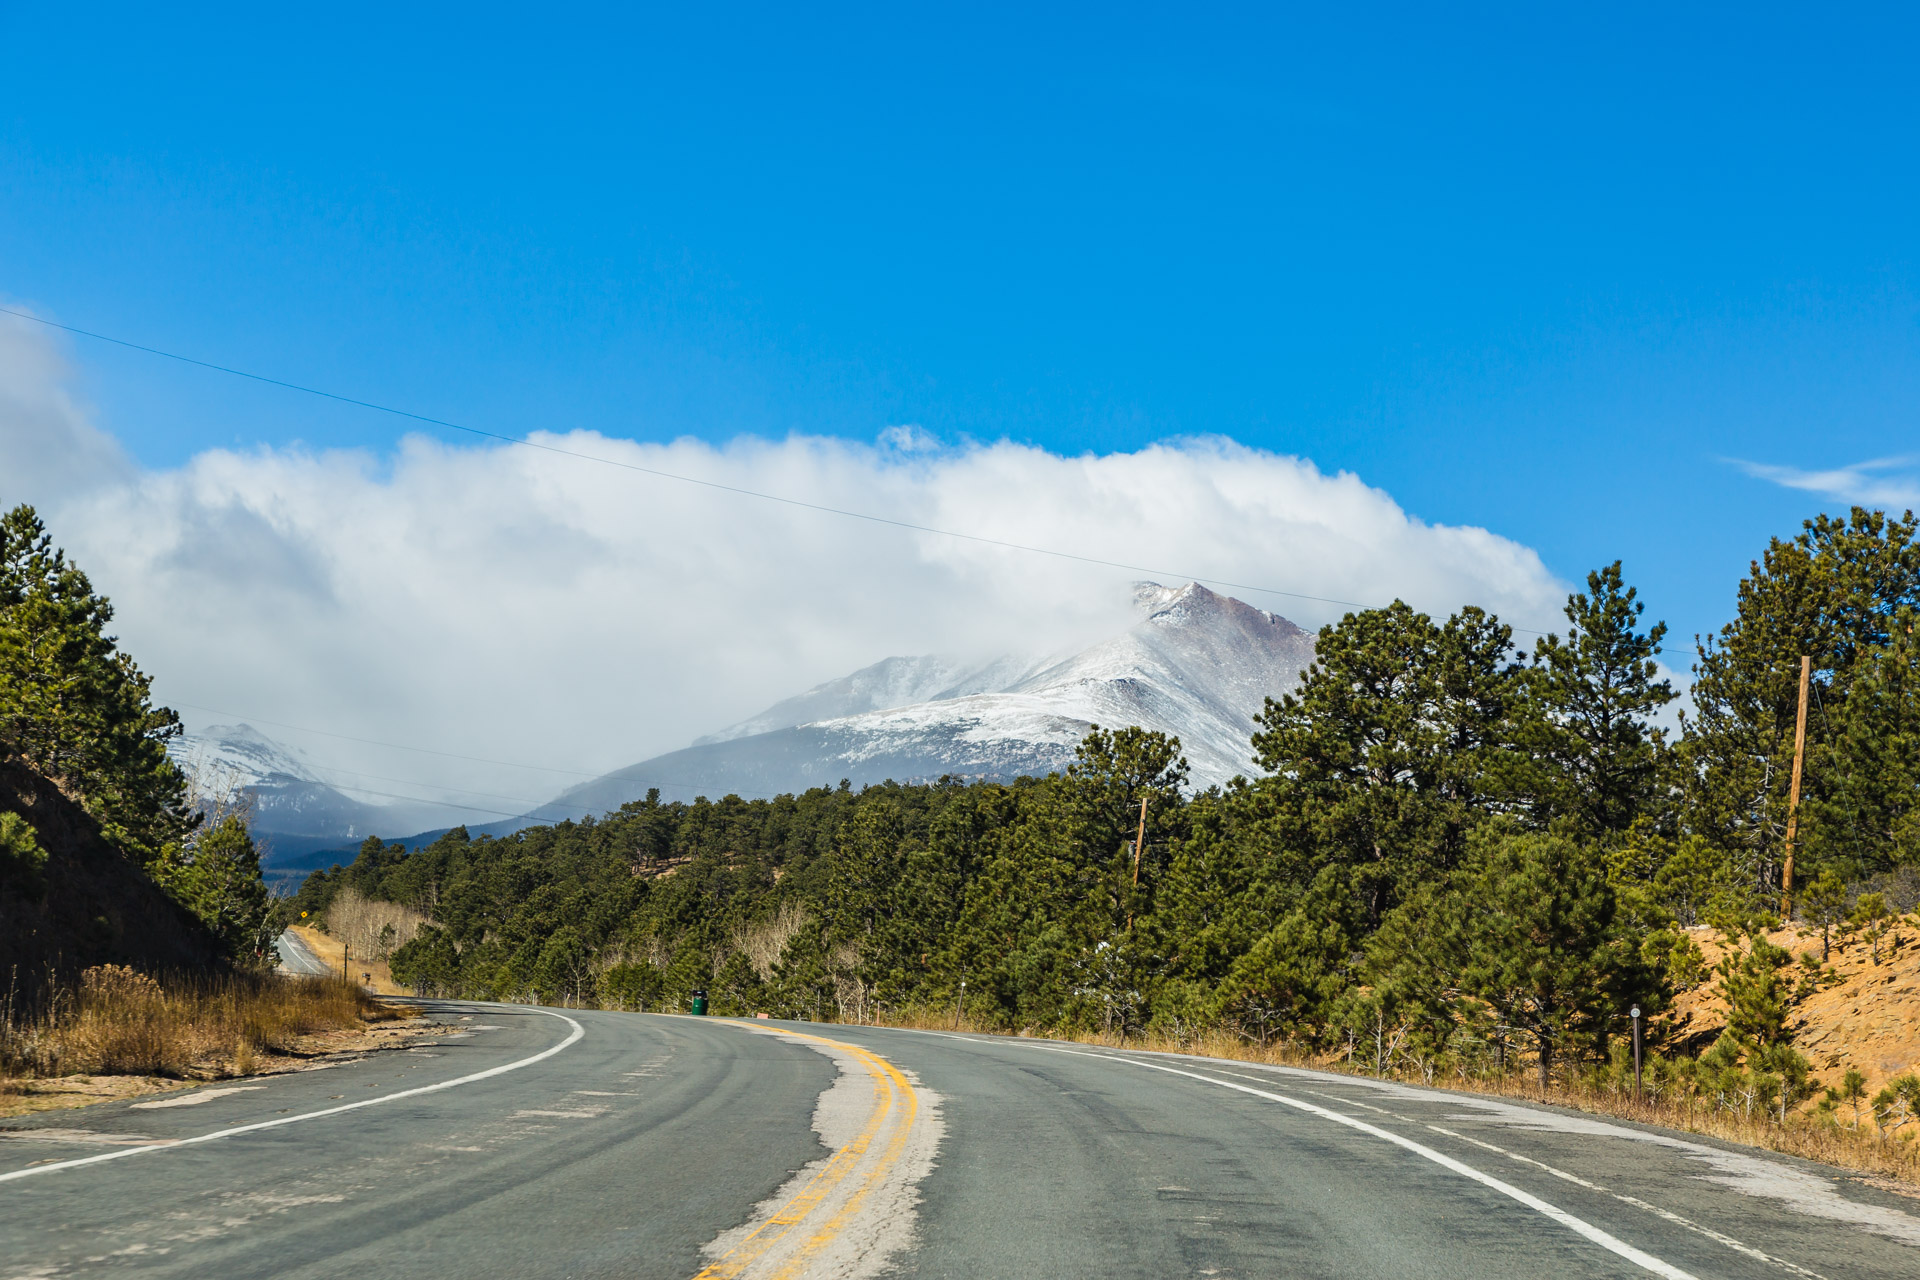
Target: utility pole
[(1793, 798), (1141, 839), (1138, 840), (346, 954)]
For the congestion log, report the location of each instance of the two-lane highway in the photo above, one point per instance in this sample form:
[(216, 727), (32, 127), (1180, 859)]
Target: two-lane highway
[(557, 1143), (298, 958), (621, 1155)]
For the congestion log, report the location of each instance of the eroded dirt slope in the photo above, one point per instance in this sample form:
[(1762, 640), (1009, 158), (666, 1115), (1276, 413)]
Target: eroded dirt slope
[(1866, 1016)]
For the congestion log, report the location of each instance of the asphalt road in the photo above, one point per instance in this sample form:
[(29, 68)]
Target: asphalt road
[(641, 1146), (297, 957)]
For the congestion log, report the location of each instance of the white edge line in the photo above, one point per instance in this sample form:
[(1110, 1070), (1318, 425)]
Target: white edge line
[(578, 1032), (1612, 1244), (1636, 1202)]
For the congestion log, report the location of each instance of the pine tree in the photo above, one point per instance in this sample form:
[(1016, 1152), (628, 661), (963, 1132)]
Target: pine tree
[(1543, 947), (22, 860), (1112, 773), (1391, 749), (217, 877), (72, 705), (1824, 902), (1229, 882), (1288, 978), (1833, 594), (1753, 981), (1866, 819), (1590, 700)]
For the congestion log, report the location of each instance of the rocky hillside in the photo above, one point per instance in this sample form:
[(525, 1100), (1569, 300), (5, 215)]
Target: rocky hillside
[(1866, 1015), (68, 899)]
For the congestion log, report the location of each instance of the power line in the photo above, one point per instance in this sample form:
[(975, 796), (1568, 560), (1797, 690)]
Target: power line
[(447, 804), (616, 774), (370, 742), (686, 479), (331, 775)]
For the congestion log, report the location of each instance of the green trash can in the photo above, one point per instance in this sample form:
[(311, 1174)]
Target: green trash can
[(699, 1004)]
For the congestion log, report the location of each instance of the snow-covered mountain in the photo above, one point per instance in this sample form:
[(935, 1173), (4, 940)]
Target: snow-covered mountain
[(1197, 665), (237, 764), (227, 757)]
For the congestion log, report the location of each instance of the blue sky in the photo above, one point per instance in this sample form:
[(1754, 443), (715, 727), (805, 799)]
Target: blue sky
[(1550, 274)]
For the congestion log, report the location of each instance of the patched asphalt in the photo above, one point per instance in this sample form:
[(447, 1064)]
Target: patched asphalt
[(625, 1153)]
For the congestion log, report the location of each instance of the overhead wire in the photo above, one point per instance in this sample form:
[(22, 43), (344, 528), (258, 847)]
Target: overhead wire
[(371, 742), (659, 473), (450, 755), (682, 478)]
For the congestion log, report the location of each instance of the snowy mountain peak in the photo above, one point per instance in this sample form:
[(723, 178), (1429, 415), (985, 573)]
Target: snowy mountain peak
[(1194, 604), (227, 757), (287, 799), (1150, 597), (1198, 665), (891, 682)]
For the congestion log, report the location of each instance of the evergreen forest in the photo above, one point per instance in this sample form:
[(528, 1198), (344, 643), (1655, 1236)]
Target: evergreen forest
[(1457, 849)]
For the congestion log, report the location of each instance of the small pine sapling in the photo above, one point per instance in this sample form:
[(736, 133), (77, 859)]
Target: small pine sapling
[(1870, 918), (1853, 1088), (1898, 1104), (1809, 977), (1824, 901)]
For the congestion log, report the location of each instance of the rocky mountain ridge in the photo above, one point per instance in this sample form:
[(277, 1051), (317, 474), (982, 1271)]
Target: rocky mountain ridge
[(291, 806), (1197, 664)]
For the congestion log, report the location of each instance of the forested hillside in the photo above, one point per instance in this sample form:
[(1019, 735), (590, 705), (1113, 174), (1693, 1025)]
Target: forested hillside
[(101, 858), (1462, 852)]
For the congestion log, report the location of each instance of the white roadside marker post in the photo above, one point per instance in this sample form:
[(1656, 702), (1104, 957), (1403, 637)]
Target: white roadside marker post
[(1634, 1013)]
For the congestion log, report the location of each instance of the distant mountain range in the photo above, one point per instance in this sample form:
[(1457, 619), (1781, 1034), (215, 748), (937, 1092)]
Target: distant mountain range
[(294, 813), (1196, 665)]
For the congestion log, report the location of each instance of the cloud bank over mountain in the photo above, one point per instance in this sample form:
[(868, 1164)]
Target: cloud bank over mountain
[(500, 603)]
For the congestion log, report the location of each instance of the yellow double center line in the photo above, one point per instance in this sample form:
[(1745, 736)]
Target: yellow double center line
[(893, 1098)]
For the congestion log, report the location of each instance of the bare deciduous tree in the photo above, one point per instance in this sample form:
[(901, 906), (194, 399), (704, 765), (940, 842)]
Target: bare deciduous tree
[(764, 941), (371, 928)]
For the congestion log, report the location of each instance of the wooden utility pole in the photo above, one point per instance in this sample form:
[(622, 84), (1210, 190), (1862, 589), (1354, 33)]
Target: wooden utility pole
[(1793, 796), (1139, 840)]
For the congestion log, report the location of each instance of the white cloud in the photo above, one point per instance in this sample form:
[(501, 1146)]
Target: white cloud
[(909, 438), (50, 443), (505, 602), (1882, 482)]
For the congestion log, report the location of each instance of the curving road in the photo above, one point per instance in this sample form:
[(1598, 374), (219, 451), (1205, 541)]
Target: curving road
[(521, 1142), (298, 958)]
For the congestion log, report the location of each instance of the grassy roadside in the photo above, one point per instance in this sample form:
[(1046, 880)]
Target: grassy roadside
[(1844, 1142), (118, 1032)]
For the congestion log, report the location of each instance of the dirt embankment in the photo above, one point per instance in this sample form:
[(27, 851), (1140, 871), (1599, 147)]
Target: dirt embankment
[(1865, 1014)]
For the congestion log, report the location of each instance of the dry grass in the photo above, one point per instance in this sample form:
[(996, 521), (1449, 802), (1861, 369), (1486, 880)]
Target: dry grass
[(117, 1021), (1806, 1134)]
